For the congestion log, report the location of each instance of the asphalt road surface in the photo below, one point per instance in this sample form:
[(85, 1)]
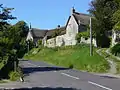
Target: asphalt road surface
[(42, 76)]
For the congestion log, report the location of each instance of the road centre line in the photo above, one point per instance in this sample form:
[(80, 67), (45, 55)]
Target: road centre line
[(90, 82), (99, 85), (70, 76), (34, 65)]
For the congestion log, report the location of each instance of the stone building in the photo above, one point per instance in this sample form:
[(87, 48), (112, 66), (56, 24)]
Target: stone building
[(76, 23)]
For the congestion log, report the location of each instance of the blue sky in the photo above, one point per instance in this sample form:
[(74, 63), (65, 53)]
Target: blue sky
[(45, 14)]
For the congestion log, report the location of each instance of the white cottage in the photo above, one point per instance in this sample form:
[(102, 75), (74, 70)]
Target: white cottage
[(76, 23)]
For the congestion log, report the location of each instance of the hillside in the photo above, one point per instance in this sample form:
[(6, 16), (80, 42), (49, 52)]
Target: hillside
[(70, 56)]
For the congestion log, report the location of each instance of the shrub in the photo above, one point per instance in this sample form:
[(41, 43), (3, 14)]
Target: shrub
[(14, 76), (116, 49), (78, 37), (71, 66), (39, 43)]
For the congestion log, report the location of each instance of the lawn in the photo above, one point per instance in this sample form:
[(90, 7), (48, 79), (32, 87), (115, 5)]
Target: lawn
[(71, 56)]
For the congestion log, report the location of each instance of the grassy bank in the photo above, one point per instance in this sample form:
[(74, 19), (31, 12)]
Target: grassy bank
[(71, 56), (111, 57)]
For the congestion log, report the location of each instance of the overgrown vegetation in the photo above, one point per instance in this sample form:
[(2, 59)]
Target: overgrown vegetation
[(85, 35), (103, 13), (12, 41), (14, 76), (111, 57), (71, 56), (115, 50)]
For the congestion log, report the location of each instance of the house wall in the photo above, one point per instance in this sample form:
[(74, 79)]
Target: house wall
[(71, 31), (83, 40), (115, 37), (29, 36), (60, 40), (51, 42)]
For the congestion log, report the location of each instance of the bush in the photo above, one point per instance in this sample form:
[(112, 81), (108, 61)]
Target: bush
[(14, 76), (78, 37), (39, 43), (71, 66), (116, 49)]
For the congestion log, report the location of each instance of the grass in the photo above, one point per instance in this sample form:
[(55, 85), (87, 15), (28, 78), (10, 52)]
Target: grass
[(113, 58), (77, 57), (2, 81), (14, 75), (3, 62)]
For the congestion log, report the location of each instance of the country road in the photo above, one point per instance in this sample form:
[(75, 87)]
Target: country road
[(42, 76)]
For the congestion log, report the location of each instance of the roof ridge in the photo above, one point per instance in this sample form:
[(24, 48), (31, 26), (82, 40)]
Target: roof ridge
[(81, 13), (39, 29)]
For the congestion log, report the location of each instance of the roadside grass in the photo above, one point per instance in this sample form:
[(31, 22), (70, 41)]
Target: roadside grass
[(77, 57), (3, 81), (113, 58)]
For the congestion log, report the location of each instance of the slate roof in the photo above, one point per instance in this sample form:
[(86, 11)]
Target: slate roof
[(38, 33), (83, 18), (41, 33)]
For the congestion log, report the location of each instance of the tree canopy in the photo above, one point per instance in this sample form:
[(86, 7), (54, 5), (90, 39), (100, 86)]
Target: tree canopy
[(103, 11)]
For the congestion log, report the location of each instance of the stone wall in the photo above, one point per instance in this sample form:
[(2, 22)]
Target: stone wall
[(87, 41), (51, 42), (62, 40)]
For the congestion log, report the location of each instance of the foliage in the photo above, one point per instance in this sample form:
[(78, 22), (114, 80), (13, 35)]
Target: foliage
[(39, 42), (85, 34), (73, 57), (117, 26), (103, 11), (78, 37), (116, 49), (116, 16), (56, 33), (14, 76), (11, 39)]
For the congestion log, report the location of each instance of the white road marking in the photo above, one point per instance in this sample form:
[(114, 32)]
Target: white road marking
[(99, 85), (70, 76), (33, 64)]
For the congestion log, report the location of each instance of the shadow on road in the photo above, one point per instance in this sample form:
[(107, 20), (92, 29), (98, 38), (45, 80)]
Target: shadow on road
[(109, 77), (28, 70), (37, 88)]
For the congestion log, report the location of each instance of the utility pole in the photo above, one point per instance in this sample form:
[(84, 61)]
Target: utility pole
[(91, 38), (28, 46)]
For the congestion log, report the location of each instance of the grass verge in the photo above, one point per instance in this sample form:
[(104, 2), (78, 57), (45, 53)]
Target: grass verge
[(113, 58), (15, 75), (77, 57)]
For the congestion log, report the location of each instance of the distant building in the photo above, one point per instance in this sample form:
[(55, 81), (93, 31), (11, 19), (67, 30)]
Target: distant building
[(76, 23)]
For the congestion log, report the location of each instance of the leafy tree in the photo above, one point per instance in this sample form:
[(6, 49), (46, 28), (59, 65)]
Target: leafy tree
[(5, 15), (103, 11)]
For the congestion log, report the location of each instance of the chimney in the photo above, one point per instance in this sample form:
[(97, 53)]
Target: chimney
[(30, 27), (58, 26), (72, 10)]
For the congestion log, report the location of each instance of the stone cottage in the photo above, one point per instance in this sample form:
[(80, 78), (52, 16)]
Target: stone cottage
[(35, 35), (76, 23)]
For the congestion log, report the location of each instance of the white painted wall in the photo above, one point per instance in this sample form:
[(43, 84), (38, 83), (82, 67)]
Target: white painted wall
[(29, 36), (51, 42), (71, 31), (115, 36), (88, 41)]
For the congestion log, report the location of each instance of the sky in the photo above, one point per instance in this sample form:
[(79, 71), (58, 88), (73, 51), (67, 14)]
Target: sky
[(45, 14)]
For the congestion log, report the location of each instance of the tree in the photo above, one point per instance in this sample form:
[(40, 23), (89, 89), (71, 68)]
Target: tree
[(103, 11), (5, 15)]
